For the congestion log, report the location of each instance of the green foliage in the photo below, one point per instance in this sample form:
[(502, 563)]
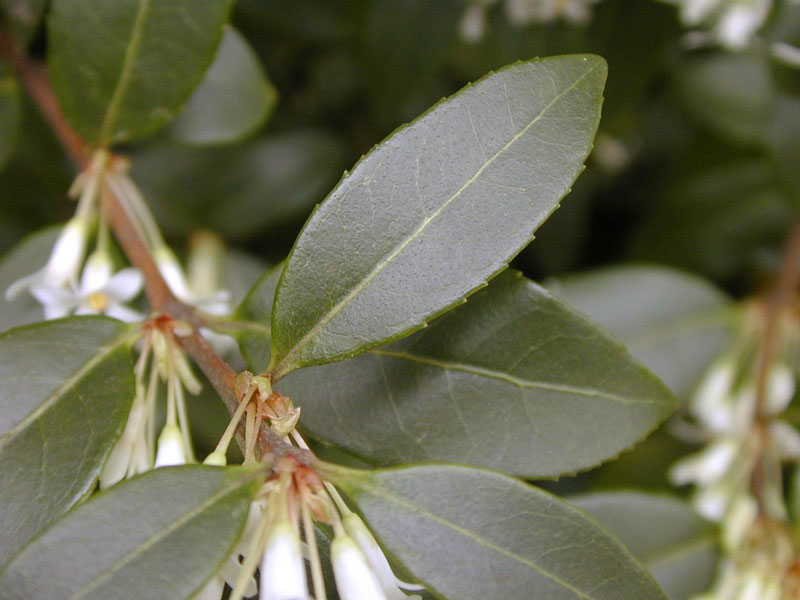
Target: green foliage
[(137, 531), (116, 77), (232, 101), (677, 546), (511, 380), (66, 388), (376, 260), (512, 541)]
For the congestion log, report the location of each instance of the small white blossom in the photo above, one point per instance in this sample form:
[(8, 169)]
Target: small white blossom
[(707, 466), (65, 260), (171, 450), (355, 579), (283, 571), (368, 545), (780, 389), (738, 521), (124, 457), (100, 292)]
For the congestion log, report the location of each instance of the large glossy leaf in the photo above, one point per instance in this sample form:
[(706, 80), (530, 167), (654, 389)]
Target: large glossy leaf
[(513, 380), (65, 392), (676, 545), (469, 533), (9, 113), (435, 210), (123, 69), (674, 322), (233, 100), (28, 256), (158, 536)]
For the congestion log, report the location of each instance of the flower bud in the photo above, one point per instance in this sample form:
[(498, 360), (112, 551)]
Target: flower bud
[(170, 447)]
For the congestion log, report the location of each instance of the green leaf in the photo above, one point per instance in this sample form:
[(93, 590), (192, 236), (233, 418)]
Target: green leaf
[(10, 113), (25, 258), (24, 17), (676, 545), (123, 69), (239, 190), (252, 316), (513, 380), (233, 100), (674, 322), (160, 535), (65, 391), (435, 210), (468, 533)]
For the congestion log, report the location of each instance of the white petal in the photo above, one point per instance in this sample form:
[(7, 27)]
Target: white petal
[(283, 571), (67, 255), (738, 521), (170, 447), (211, 590), (24, 283), (357, 529), (172, 273), (712, 503), (738, 23), (96, 272), (121, 455), (785, 53), (230, 573), (54, 297), (124, 313), (355, 579), (125, 284), (472, 26), (780, 389), (696, 11), (787, 438)]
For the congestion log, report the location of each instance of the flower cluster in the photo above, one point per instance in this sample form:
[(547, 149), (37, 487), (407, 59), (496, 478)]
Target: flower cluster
[(732, 23), (283, 535), (521, 13), (737, 475)]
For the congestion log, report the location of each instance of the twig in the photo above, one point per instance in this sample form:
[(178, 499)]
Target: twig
[(37, 84)]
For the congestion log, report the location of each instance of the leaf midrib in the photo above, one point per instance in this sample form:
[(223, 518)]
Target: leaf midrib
[(510, 379), (381, 492), (103, 352), (282, 367), (197, 511), (126, 72)]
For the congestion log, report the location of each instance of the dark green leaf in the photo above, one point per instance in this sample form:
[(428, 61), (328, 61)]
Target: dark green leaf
[(65, 390), (233, 100), (253, 327), (24, 17), (123, 69), (28, 256), (731, 93), (513, 380), (158, 536), (435, 210), (675, 323), (676, 545), (10, 113), (469, 533), (238, 191)]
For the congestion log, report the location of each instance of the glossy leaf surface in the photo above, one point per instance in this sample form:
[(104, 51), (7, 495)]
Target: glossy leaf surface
[(676, 545), (674, 322), (513, 380), (158, 536), (435, 210), (469, 533), (65, 393), (233, 100), (123, 69)]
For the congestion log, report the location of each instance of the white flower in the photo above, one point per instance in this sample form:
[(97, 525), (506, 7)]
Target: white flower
[(128, 451), (171, 451), (780, 389), (786, 438), (523, 12), (217, 303), (99, 292), (739, 21), (707, 466), (472, 26), (739, 521), (283, 571), (712, 502), (378, 563), (355, 579), (64, 263)]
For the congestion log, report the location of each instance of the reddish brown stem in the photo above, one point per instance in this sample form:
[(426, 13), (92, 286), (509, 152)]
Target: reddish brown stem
[(37, 84)]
